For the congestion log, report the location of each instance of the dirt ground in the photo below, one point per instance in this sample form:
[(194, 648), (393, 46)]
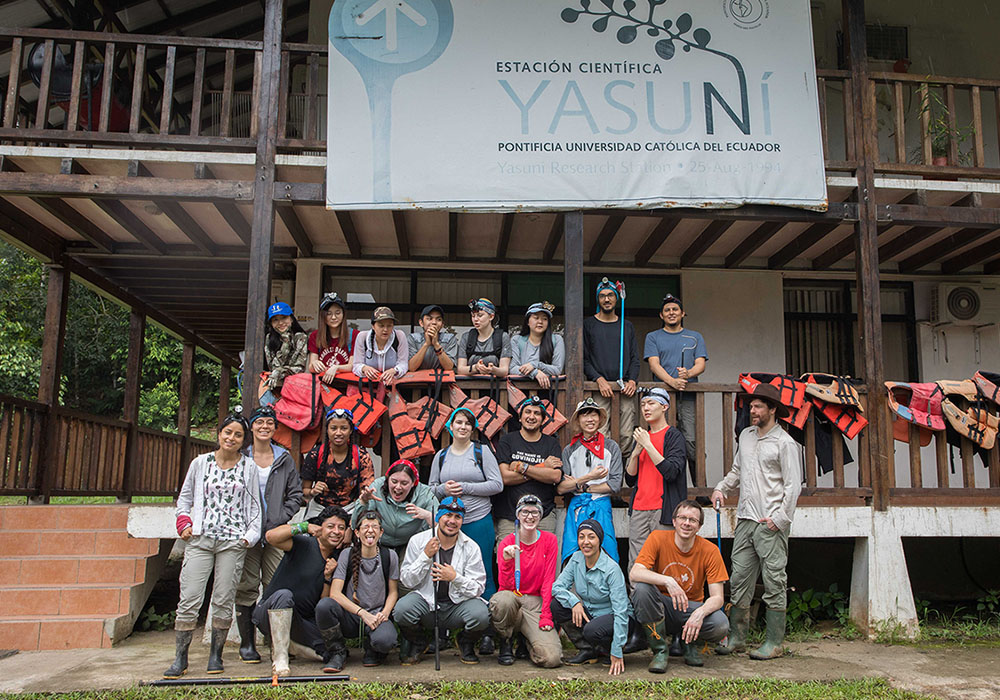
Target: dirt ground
[(963, 673)]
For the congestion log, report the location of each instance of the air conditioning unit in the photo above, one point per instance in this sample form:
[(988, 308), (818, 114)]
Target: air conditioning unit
[(966, 304)]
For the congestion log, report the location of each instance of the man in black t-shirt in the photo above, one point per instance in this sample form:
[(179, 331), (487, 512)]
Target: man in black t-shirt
[(296, 606), (529, 463)]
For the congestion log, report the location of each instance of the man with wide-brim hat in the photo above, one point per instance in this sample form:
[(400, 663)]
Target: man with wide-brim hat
[(767, 472)]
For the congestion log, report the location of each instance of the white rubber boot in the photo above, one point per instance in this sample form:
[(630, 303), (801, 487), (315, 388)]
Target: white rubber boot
[(281, 630)]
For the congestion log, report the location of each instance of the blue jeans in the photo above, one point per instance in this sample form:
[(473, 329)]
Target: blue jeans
[(482, 533)]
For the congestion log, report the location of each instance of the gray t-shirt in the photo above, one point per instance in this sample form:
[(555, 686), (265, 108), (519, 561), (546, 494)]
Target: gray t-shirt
[(449, 343), (477, 485), (371, 581), (484, 348), (523, 352), (675, 350)]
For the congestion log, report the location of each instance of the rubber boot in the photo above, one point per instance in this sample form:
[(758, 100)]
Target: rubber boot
[(635, 642), (505, 652), (739, 621), (521, 650), (467, 648), (335, 657), (676, 646), (586, 653), (219, 636), (281, 634), (772, 647), (248, 634), (692, 657), (486, 644), (415, 643), (182, 640), (371, 657), (656, 637)]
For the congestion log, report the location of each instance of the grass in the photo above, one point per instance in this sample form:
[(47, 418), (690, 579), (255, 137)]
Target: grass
[(691, 689)]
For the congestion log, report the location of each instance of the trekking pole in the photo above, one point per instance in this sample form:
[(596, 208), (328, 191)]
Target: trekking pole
[(517, 558), (620, 285), (437, 634), (718, 526)]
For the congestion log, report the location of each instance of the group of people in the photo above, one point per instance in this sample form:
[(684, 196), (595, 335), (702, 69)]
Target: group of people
[(474, 550)]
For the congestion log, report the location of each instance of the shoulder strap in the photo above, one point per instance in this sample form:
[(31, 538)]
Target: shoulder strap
[(497, 342), (470, 344), (383, 553), (478, 450)]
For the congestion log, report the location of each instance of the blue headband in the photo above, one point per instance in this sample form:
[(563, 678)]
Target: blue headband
[(483, 304), (451, 504), (659, 395), (461, 409)]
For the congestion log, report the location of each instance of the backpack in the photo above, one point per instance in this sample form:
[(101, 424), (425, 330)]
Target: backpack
[(478, 451), (472, 339)]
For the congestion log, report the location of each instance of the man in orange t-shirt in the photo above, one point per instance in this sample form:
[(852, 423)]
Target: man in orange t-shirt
[(669, 578)]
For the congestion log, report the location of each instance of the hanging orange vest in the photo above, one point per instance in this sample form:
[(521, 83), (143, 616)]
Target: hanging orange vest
[(490, 416), (988, 384), (412, 439)]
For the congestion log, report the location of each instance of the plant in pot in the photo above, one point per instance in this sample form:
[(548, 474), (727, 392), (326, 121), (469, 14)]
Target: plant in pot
[(939, 131)]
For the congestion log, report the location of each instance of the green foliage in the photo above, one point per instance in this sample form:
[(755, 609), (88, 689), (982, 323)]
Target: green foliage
[(988, 605), (22, 316), (151, 620), (808, 607)]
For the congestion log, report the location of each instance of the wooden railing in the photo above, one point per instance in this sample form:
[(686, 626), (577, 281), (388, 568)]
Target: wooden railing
[(93, 87), (90, 454)]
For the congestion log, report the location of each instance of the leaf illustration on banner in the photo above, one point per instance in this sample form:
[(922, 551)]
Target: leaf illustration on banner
[(664, 48)]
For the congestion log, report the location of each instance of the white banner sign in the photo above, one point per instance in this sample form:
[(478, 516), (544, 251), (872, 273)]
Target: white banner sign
[(565, 104)]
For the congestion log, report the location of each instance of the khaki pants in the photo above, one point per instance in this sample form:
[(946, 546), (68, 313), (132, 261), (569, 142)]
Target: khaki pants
[(506, 527), (202, 556), (512, 613), (758, 549), (259, 565), (626, 425), (640, 524)]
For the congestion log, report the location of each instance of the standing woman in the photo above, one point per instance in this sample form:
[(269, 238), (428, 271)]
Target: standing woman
[(536, 352), (337, 469), (331, 346), (382, 354), (365, 589), (403, 504), (285, 345), (484, 349), (219, 517), (281, 498), (469, 470)]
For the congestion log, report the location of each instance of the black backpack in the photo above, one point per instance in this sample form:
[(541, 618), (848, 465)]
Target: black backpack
[(472, 339)]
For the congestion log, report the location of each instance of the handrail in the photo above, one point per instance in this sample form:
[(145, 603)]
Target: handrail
[(131, 39)]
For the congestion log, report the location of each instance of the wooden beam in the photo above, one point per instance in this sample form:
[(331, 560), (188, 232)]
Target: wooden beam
[(704, 241), (135, 226), (938, 251), (604, 239), (656, 238), (43, 186), (573, 294), (56, 305), (803, 242), (452, 235), (402, 237), (294, 225), (906, 240), (505, 231), (177, 214), (350, 233), (555, 235), (133, 386), (228, 210), (971, 257), (862, 103), (30, 231), (262, 223), (749, 245)]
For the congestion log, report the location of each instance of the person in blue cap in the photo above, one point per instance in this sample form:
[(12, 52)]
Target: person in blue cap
[(285, 349), (443, 567), (485, 349), (611, 358), (536, 352)]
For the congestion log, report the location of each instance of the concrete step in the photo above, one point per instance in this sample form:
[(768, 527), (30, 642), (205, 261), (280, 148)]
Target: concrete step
[(47, 632), (65, 569), (59, 517), (71, 600), (73, 542)]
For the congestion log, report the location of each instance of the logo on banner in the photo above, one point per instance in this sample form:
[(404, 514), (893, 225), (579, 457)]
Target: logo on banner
[(746, 14)]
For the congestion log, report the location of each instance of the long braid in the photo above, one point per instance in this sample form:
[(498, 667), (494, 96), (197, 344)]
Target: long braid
[(354, 567)]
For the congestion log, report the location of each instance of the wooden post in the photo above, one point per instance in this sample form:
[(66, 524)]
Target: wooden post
[(184, 410), (869, 300), (573, 293), (133, 385), (262, 226), (225, 386), (49, 380)]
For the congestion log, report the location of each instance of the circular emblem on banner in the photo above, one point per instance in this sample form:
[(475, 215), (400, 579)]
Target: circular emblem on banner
[(746, 14)]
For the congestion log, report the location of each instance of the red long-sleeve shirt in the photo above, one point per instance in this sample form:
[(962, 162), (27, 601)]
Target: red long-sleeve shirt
[(539, 561)]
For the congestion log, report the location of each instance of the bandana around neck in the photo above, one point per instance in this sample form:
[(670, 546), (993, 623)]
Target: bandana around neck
[(595, 445)]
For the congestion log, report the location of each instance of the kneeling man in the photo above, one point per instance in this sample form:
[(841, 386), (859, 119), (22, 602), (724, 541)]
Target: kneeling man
[(669, 578)]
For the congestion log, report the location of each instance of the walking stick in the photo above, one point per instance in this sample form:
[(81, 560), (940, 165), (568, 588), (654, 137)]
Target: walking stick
[(517, 557), (718, 526), (437, 637), (620, 286)]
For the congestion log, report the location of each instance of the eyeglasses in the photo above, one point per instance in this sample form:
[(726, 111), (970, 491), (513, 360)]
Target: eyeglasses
[(529, 515), (686, 519)]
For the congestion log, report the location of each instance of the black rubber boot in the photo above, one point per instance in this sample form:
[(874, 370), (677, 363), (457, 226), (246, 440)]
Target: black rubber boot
[(371, 657), (486, 645), (505, 652), (521, 650), (692, 655), (335, 657), (248, 633), (182, 641), (676, 646), (467, 648), (415, 644), (586, 654), (635, 642), (219, 636)]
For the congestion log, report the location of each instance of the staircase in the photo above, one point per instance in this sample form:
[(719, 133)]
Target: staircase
[(71, 577)]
